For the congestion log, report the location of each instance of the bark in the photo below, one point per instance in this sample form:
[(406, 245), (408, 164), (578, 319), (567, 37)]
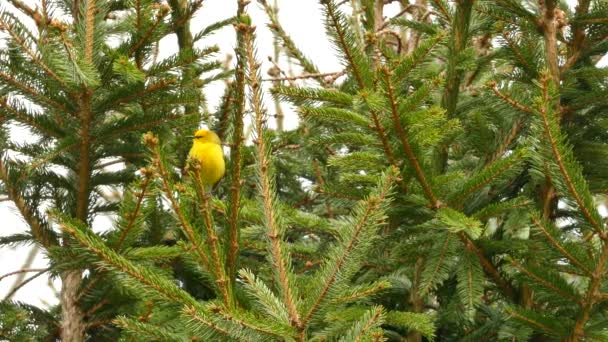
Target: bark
[(72, 324), (420, 13), (549, 25)]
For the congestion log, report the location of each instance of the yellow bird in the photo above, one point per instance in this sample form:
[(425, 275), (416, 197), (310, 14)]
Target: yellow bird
[(207, 149)]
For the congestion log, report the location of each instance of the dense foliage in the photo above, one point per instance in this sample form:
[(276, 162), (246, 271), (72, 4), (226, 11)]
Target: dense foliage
[(445, 185)]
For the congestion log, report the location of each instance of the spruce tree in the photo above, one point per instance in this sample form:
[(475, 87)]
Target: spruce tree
[(83, 78), (445, 185)]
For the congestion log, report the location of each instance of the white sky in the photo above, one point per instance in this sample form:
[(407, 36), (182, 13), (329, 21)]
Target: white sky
[(301, 19)]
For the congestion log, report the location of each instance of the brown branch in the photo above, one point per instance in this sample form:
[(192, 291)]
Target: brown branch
[(152, 143), (305, 76), (32, 92), (236, 153), (96, 307), (516, 128), (266, 191), (40, 231), (25, 118), (593, 292), (548, 24), (545, 283), (218, 268), (34, 14), (34, 58), (90, 30), (321, 181), (488, 267), (331, 13), (196, 317), (492, 85), (140, 198), (403, 137), (578, 35), (444, 11), (25, 282), (515, 50), (559, 247), (372, 206), (135, 48), (395, 35), (558, 159), (25, 270)]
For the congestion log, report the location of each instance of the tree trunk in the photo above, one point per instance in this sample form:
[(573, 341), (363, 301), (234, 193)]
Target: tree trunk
[(72, 325)]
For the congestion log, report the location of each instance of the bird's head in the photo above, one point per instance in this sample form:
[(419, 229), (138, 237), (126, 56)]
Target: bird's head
[(207, 137)]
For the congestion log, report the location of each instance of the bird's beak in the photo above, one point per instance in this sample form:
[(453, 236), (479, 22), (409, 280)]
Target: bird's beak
[(190, 136)]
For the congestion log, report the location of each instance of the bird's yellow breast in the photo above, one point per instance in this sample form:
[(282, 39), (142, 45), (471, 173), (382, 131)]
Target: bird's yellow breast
[(211, 159)]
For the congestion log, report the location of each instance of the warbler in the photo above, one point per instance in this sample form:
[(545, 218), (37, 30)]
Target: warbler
[(207, 149)]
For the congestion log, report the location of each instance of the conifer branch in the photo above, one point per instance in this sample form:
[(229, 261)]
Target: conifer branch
[(147, 173), (26, 90), (14, 290), (444, 11), (531, 322), (559, 160), (4, 26), (493, 86), (370, 207), (488, 267), (544, 282), (487, 175), (149, 90), (136, 128), (236, 150), (40, 230), (195, 315), (558, 246), (332, 13), (266, 188), (442, 255), (593, 292), (513, 46), (25, 270), (516, 128), (321, 184), (196, 241), (459, 40), (217, 266), (575, 48), (93, 243), (407, 148), (386, 146), (144, 38), (142, 329), (231, 317), (408, 63), (320, 75), (25, 118)]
